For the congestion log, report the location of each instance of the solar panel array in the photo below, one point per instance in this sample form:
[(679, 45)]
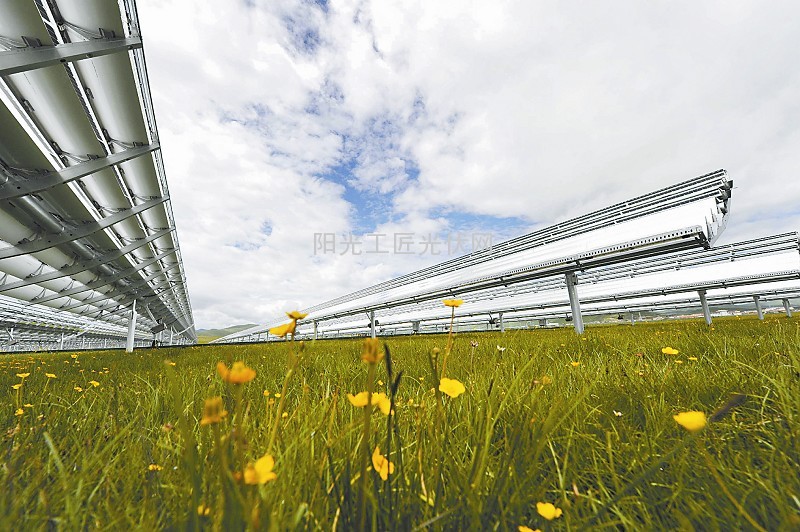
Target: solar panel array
[(653, 252), (87, 233)]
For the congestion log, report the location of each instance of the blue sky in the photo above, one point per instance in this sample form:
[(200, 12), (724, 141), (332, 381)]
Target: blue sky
[(282, 120)]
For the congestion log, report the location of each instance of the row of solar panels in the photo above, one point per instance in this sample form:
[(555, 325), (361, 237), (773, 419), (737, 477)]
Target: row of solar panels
[(87, 234), (650, 253)]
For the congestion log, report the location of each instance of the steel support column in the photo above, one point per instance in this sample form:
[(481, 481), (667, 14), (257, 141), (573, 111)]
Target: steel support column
[(704, 303), (502, 324), (131, 329), (574, 302), (372, 323), (787, 308), (757, 301), (315, 330)]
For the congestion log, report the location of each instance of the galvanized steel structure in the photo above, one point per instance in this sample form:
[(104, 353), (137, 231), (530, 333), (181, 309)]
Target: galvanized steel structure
[(87, 235)]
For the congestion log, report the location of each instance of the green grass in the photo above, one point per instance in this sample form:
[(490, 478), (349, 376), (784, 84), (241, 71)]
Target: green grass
[(79, 459)]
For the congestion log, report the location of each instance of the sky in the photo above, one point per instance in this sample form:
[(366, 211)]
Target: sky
[(315, 148)]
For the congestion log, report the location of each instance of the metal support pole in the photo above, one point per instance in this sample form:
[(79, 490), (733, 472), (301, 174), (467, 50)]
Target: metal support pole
[(574, 302), (171, 335), (61, 346), (757, 301), (543, 322), (315, 330), (372, 323), (787, 308), (415, 326), (131, 329), (704, 303), (502, 325)]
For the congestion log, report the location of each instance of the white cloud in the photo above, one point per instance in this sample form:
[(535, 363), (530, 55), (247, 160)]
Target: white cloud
[(532, 110)]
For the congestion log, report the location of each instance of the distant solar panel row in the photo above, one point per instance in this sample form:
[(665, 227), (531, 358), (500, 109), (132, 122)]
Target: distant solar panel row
[(87, 235), (645, 253)]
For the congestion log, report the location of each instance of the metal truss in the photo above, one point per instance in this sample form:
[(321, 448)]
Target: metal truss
[(86, 224)]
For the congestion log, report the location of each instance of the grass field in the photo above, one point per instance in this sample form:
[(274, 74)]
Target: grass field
[(584, 423)]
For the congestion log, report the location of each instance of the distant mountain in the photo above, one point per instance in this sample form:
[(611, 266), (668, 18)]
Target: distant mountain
[(205, 336)]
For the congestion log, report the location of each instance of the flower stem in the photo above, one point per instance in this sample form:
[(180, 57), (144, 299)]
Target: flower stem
[(365, 452)]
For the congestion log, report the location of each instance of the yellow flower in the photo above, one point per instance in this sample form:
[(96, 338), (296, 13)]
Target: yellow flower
[(575, 364), (451, 387), (522, 528), (691, 358), (295, 315), (17, 386), (371, 352), (454, 303), (285, 415), (382, 464), (19, 412), (546, 380), (23, 375), (283, 330), (78, 389), (154, 467), (260, 472), (213, 411), (203, 510), (380, 400), (266, 393), (548, 510), (94, 383), (74, 355), (239, 373), (679, 361), (50, 375), (691, 421), (670, 351)]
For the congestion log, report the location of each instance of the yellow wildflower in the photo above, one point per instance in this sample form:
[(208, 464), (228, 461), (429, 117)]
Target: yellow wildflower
[(382, 464), (266, 393), (203, 510), (379, 399), (691, 421), (548, 510), (17, 386), (546, 380), (283, 330), (154, 467), (23, 375), (371, 352), (78, 389), (295, 315), (74, 355), (94, 383), (261, 472), (451, 387), (19, 412), (575, 364), (454, 303), (239, 373), (50, 375), (670, 351), (285, 415), (213, 411), (523, 528), (691, 358)]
